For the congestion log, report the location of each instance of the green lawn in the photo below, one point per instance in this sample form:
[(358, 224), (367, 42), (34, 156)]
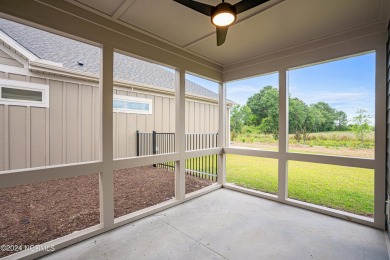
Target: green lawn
[(253, 172), (344, 188)]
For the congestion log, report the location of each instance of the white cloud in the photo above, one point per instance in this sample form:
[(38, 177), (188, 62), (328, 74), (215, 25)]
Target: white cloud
[(347, 97)]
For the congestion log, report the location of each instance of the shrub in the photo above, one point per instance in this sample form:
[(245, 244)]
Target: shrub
[(233, 136)]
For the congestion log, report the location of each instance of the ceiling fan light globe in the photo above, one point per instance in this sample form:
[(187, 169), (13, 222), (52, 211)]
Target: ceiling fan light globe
[(223, 18)]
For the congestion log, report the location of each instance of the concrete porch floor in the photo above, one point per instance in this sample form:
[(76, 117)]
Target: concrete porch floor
[(226, 224)]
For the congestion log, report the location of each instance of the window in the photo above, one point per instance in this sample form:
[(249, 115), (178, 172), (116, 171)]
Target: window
[(35, 132), (332, 107), (135, 105), (144, 107), (23, 93), (254, 114), (201, 131)]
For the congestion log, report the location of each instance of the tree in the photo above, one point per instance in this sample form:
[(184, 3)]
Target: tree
[(262, 111), (316, 118), (329, 115), (361, 124), (341, 121), (240, 116), (298, 118), (247, 116), (236, 119), (270, 125), (263, 103)]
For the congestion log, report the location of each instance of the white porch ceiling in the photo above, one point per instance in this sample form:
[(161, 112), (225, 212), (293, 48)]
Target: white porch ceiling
[(271, 27)]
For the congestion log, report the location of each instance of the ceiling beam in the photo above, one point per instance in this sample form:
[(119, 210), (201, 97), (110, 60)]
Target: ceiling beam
[(126, 5)]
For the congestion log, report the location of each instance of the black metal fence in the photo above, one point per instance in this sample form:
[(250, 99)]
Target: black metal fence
[(205, 167)]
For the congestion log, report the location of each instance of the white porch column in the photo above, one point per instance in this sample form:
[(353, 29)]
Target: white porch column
[(106, 176), (380, 137), (180, 134), (222, 133), (283, 136)]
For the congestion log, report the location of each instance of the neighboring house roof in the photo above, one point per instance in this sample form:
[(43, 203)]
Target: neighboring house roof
[(68, 52)]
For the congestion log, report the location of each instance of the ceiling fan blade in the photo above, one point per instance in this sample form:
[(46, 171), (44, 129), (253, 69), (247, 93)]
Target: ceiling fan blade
[(221, 34), (245, 5), (199, 7)]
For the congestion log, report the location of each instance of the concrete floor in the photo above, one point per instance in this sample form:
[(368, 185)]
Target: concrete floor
[(230, 225)]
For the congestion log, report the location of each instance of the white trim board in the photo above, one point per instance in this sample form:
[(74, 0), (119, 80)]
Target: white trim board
[(14, 84)]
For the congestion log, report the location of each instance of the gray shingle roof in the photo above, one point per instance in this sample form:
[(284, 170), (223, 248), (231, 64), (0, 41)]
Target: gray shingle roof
[(52, 47)]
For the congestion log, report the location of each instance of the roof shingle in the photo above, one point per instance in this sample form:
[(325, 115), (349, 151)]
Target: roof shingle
[(69, 52)]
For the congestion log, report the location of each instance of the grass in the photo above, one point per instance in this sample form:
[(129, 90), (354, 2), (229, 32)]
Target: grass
[(338, 187), (338, 139), (328, 139), (253, 172), (345, 188)]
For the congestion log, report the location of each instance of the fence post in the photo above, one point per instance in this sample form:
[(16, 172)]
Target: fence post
[(154, 144), (137, 143), (216, 158)]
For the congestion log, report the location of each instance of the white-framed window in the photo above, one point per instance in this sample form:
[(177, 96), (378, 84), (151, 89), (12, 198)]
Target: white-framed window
[(21, 93), (136, 105)]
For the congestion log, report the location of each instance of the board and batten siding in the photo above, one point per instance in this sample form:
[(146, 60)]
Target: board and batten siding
[(68, 131), (201, 117)]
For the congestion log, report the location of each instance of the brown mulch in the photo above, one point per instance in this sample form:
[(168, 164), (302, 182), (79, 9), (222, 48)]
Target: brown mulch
[(36, 213)]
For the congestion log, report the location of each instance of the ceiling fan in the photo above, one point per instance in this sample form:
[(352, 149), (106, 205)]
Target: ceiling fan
[(222, 15)]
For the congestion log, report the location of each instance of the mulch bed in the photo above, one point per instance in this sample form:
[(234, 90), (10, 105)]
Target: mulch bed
[(36, 213)]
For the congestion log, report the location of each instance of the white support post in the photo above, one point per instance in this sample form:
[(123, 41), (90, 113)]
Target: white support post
[(380, 136), (222, 133), (106, 176), (283, 136), (180, 134)]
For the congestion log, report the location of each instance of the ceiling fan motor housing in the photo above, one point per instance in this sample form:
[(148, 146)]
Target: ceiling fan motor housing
[(223, 8)]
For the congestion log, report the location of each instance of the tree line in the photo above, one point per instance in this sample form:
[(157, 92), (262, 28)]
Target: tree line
[(262, 112)]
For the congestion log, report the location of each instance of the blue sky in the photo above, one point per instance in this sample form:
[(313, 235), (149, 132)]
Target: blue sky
[(239, 91), (345, 85)]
